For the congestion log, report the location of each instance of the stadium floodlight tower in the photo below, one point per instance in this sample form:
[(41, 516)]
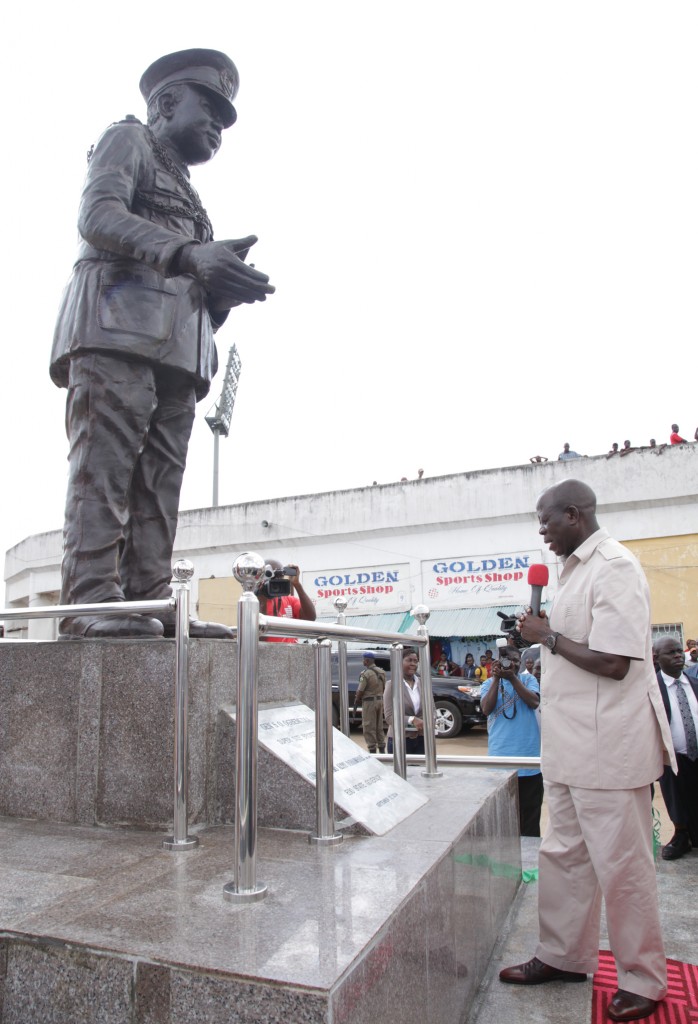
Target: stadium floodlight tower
[(220, 414)]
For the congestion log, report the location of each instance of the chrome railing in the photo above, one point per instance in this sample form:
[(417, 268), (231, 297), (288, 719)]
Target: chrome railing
[(341, 606), (253, 627), (248, 570)]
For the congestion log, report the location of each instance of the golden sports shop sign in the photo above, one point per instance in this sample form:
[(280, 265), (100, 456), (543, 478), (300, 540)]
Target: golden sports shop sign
[(368, 590), (469, 581)]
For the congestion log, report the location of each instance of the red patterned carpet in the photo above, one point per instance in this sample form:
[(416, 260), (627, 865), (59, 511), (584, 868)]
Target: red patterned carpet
[(679, 1007)]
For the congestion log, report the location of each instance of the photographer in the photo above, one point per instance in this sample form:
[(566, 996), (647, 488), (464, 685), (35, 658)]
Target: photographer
[(510, 704), (275, 597)]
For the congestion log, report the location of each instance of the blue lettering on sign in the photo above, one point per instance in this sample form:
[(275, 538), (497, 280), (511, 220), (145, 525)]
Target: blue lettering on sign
[(482, 564), (353, 579)]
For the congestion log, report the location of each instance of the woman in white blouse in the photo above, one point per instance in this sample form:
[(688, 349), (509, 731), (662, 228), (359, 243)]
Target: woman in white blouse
[(414, 723)]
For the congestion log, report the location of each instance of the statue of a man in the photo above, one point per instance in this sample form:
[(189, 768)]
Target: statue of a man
[(134, 340)]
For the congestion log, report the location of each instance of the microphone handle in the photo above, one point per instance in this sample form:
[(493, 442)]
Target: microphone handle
[(536, 594)]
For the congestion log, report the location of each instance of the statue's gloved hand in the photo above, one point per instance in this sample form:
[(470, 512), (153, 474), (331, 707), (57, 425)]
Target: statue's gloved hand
[(221, 269)]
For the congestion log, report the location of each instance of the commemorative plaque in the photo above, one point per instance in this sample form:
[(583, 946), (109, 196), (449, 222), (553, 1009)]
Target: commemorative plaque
[(366, 789)]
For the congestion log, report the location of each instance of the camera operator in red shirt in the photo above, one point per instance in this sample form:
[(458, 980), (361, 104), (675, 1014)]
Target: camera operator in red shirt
[(275, 597)]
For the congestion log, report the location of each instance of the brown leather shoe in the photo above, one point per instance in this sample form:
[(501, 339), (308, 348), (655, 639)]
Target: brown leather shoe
[(535, 972), (628, 1006)]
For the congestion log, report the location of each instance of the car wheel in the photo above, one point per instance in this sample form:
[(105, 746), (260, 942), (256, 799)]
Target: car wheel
[(449, 720)]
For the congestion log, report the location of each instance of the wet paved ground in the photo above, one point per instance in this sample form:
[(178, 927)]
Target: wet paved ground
[(558, 1003)]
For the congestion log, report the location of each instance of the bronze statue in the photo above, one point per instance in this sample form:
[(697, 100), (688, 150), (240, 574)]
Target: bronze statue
[(134, 340)]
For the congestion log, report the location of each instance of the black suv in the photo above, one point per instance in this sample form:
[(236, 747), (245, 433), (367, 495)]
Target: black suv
[(455, 711)]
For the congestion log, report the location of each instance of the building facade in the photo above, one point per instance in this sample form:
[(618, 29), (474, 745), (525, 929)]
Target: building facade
[(461, 544)]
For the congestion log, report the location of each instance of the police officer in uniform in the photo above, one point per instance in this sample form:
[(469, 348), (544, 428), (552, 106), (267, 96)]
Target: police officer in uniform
[(369, 694)]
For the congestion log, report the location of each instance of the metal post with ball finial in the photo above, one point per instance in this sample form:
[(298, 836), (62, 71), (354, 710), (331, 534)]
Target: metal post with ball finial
[(420, 613), (183, 570), (248, 570)]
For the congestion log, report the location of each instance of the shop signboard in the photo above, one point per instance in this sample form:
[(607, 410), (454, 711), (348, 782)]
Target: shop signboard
[(469, 581), (368, 590)]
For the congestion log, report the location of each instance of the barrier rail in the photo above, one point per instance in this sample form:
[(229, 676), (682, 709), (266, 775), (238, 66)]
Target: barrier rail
[(249, 570), (182, 571), (252, 626), (245, 887), (476, 760), (324, 754), (398, 709), (340, 604)]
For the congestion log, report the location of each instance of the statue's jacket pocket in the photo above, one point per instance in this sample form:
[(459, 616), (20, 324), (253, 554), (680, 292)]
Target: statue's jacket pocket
[(136, 302)]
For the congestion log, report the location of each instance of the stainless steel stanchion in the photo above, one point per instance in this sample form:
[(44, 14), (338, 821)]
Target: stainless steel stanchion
[(399, 752), (248, 570), (340, 604), (324, 760), (183, 571), (420, 614)]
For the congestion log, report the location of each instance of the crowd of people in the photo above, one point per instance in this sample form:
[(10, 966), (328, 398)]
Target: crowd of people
[(615, 449), (444, 666)]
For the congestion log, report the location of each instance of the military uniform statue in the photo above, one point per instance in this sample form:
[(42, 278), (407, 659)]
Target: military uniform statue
[(134, 340)]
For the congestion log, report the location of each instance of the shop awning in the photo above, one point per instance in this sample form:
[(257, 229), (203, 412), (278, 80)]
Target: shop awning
[(469, 623), (388, 622)]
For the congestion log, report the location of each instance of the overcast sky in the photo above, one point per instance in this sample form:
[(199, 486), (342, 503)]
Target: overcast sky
[(481, 220)]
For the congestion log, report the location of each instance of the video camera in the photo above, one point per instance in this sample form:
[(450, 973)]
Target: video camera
[(277, 582), (509, 629)]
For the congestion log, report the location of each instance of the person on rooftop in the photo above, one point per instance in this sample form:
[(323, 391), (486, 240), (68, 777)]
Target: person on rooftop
[(567, 453)]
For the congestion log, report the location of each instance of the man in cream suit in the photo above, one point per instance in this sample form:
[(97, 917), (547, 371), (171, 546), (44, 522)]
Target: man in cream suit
[(604, 737)]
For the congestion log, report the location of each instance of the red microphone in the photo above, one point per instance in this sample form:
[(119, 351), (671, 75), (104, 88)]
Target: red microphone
[(537, 579)]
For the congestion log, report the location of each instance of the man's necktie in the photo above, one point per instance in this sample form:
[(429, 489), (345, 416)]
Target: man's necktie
[(688, 724)]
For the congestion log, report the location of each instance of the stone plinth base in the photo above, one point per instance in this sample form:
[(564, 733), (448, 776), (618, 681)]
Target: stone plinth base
[(101, 926), (87, 731)]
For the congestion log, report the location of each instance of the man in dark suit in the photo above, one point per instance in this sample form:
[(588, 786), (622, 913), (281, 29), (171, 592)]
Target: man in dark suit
[(134, 340), (679, 692)]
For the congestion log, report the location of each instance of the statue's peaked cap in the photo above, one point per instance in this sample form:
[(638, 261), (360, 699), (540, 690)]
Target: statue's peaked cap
[(209, 69)]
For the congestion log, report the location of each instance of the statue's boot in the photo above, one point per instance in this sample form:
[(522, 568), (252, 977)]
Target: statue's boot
[(197, 628), (110, 627)]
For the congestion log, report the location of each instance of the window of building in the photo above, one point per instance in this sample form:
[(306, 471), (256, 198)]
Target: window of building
[(668, 629)]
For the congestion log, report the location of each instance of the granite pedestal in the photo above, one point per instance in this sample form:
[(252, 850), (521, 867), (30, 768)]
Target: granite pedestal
[(100, 924), (87, 732)]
